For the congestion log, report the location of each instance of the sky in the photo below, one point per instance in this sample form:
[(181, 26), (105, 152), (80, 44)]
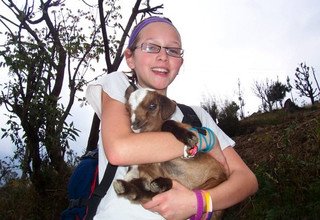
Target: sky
[(247, 40), (226, 41)]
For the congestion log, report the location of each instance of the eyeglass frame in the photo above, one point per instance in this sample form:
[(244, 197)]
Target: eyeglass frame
[(167, 49)]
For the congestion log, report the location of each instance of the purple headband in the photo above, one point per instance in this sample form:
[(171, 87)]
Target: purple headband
[(143, 23)]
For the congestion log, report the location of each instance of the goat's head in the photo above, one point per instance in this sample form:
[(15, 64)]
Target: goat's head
[(148, 109)]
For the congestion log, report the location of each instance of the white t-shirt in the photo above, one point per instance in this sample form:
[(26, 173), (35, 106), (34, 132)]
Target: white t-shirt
[(111, 206)]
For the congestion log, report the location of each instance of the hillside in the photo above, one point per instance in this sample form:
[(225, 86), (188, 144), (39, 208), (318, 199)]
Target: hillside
[(283, 149)]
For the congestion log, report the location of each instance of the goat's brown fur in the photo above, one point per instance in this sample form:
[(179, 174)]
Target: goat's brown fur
[(202, 171)]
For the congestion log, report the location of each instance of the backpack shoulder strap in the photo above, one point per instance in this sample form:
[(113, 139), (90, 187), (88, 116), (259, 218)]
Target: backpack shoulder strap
[(100, 191), (189, 116)]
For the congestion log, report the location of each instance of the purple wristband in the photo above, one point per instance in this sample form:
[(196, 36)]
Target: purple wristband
[(199, 205)]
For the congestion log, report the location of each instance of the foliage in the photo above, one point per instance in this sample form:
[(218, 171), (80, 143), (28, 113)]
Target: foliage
[(7, 171), (226, 116), (285, 156), (228, 119), (210, 105), (277, 92), (270, 93), (46, 48), (304, 84), (16, 200), (48, 51), (20, 200)]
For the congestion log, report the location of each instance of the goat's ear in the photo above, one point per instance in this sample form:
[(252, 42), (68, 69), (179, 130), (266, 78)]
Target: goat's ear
[(168, 107), (129, 90)]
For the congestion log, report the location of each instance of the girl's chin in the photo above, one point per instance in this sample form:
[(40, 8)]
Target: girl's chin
[(161, 86)]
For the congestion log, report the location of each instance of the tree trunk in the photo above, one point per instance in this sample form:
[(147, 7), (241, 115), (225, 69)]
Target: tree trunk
[(94, 133)]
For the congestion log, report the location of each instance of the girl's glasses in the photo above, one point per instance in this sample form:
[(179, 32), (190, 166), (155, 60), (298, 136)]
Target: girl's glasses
[(153, 48)]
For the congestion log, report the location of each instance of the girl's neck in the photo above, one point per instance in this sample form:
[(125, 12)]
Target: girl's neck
[(162, 92)]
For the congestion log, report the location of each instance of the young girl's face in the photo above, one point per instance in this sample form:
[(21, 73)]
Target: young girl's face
[(155, 70)]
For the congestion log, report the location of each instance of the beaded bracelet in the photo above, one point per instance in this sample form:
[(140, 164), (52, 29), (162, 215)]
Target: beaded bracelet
[(189, 152)]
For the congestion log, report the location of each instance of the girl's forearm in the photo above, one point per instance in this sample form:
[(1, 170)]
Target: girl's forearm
[(241, 183), (143, 148), (123, 147), (237, 188)]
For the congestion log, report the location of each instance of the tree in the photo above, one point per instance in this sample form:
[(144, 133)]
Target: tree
[(241, 100), (46, 48), (270, 93), (47, 53), (277, 92), (304, 84), (210, 105), (261, 90), (228, 118)]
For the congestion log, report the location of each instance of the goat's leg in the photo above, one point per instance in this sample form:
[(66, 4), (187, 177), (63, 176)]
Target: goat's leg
[(136, 190), (181, 132), (160, 184)]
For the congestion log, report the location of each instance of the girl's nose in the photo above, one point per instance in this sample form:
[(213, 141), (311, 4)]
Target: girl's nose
[(162, 54)]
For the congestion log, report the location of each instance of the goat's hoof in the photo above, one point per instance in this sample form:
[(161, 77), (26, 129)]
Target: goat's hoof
[(122, 188), (160, 184), (192, 140), (119, 187)]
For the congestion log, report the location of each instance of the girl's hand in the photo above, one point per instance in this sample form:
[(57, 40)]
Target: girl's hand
[(179, 203)]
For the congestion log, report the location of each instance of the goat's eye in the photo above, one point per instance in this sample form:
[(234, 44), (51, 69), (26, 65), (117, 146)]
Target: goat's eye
[(152, 106)]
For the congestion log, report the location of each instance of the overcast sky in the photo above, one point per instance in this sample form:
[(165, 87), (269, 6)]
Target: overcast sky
[(245, 39), (226, 40)]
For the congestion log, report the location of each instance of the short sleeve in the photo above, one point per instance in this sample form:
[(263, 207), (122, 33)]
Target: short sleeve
[(114, 84)]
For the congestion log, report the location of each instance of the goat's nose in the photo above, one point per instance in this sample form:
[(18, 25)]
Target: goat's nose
[(135, 124)]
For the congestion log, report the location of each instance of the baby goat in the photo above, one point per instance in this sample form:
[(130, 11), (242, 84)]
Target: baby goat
[(151, 111)]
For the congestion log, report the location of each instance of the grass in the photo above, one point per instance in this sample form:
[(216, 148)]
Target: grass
[(285, 156)]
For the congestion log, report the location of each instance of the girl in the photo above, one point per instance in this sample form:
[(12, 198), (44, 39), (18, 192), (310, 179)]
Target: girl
[(154, 55)]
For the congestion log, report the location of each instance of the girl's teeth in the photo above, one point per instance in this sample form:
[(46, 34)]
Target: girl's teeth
[(160, 70)]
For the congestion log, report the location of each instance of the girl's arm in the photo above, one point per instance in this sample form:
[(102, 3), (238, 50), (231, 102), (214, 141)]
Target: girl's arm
[(181, 203), (241, 182), (123, 147)]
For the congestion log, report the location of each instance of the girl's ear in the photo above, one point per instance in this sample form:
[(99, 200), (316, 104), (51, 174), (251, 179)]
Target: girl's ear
[(128, 54)]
